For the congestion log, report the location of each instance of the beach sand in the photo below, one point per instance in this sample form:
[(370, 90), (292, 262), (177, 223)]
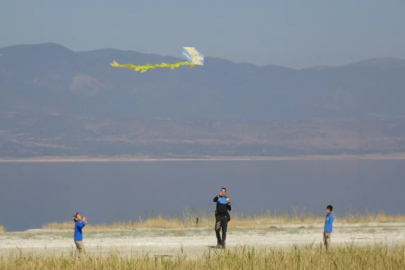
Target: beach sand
[(195, 241)]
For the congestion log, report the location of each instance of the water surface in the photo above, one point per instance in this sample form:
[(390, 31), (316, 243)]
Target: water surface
[(32, 194)]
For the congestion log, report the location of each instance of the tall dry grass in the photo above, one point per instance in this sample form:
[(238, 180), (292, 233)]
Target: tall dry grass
[(151, 223), (313, 258), (189, 220), (2, 229)]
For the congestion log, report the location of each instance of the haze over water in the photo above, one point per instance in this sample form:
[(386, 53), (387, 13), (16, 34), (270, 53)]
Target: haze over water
[(34, 194)]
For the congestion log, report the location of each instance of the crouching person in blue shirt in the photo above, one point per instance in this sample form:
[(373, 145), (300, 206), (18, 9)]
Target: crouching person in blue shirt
[(222, 216), (328, 226), (78, 236)]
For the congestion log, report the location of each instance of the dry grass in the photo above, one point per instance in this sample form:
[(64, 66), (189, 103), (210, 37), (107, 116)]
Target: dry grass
[(2, 229), (152, 223), (238, 221), (314, 258)]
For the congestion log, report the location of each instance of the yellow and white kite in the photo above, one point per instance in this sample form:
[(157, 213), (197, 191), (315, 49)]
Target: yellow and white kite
[(192, 56)]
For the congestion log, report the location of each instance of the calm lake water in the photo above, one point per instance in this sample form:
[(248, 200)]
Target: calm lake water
[(32, 194)]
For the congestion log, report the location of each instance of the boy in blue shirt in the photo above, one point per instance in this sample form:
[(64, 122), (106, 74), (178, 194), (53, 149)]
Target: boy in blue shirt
[(222, 216), (78, 235), (327, 231)]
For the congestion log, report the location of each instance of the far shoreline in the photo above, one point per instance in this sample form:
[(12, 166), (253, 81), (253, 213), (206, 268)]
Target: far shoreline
[(74, 159)]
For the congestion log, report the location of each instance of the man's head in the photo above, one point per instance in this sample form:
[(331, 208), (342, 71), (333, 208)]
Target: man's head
[(329, 209), (77, 217), (223, 192)]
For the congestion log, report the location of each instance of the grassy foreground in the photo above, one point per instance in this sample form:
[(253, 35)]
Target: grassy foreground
[(314, 258), (238, 221)]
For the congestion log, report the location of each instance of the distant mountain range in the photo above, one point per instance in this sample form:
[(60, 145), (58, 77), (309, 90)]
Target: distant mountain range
[(58, 102)]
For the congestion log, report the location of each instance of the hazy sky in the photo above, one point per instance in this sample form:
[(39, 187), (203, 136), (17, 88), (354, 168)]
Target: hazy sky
[(295, 33)]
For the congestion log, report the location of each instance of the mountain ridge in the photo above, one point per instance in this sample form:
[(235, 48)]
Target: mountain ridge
[(54, 96), (53, 45)]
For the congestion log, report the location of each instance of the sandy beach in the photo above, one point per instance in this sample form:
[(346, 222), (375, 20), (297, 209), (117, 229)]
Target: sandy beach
[(195, 241)]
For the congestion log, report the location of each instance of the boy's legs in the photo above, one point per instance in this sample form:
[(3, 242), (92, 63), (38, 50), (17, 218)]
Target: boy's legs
[(326, 240), (79, 248)]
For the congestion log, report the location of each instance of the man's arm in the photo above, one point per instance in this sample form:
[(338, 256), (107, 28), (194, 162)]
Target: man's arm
[(216, 199), (229, 207)]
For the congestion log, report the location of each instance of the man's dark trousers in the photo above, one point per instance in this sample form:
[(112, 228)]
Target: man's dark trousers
[(221, 221)]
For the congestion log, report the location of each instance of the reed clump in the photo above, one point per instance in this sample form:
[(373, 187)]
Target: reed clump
[(309, 257), (150, 223), (203, 219)]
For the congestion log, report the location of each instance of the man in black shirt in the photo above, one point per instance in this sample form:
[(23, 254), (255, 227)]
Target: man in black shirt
[(222, 216)]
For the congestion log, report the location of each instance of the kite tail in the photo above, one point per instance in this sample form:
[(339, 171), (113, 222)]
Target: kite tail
[(144, 68)]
